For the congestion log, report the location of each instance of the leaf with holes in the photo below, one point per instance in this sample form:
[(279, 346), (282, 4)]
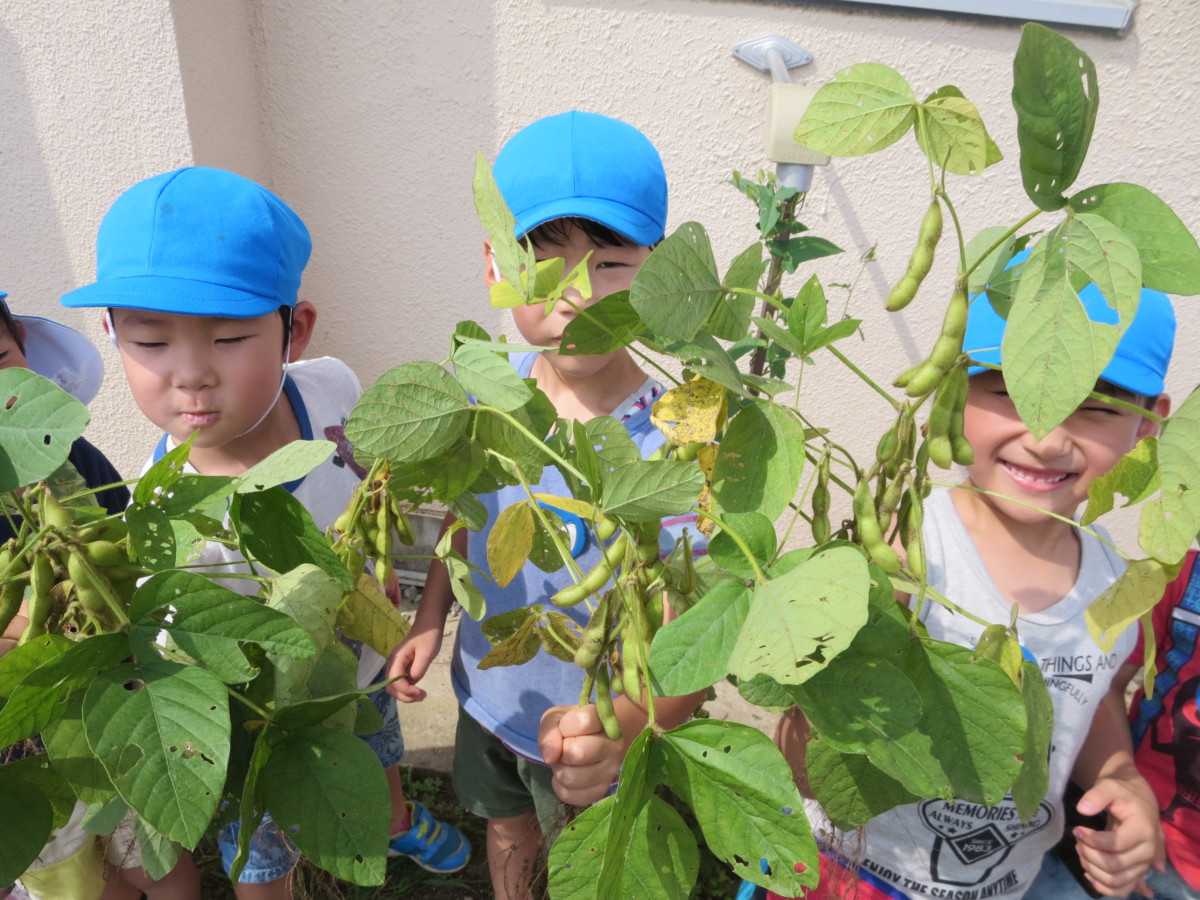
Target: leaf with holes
[(38, 423), (368, 615), (161, 732), (663, 868), (1056, 98), (954, 136), (746, 802), (1126, 600), (328, 794), (800, 620)]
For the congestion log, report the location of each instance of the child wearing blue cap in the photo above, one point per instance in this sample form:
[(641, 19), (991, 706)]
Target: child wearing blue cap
[(1015, 546), (577, 183), (199, 271)]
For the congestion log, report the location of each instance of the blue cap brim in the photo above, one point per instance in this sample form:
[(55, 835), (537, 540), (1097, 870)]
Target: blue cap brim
[(180, 296)]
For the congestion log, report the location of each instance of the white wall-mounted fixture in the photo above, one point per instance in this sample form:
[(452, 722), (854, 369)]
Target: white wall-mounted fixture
[(786, 103)]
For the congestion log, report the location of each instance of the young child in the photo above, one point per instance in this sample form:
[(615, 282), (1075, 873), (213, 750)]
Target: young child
[(199, 271), (72, 864), (1166, 739), (988, 552), (577, 183)]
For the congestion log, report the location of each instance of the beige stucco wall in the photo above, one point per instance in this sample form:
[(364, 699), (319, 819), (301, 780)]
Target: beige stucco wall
[(365, 116)]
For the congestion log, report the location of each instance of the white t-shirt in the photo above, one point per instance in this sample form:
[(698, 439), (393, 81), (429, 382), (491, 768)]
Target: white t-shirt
[(967, 851), (322, 393)]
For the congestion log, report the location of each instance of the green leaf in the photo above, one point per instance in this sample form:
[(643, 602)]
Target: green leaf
[(152, 538), (795, 251), (44, 672), (1135, 476), (159, 853), (677, 286), (1170, 256), (859, 701), (692, 652), (161, 732), (38, 423), (760, 461), (327, 792), (289, 463), (209, 622), (51, 782), (1031, 785), (206, 495), (757, 531), (808, 312), (992, 266), (310, 598), (1053, 353), (976, 717), (730, 318), (1126, 600), (703, 355), (414, 411), (866, 108), (67, 746), (802, 619), (742, 792), (543, 551), (1056, 96), (368, 615), (278, 531), (496, 219), (163, 474), (509, 542), (1170, 522), (21, 836), (462, 584), (954, 136), (489, 377), (307, 713), (849, 788), (633, 793), (664, 865), (645, 490), (603, 327)]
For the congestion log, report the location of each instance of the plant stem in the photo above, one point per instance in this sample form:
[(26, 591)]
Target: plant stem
[(537, 442), (895, 404)]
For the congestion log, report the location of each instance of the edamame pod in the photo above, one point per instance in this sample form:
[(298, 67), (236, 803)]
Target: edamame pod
[(820, 502), (41, 580), (604, 704), (921, 260), (870, 534), (597, 577)]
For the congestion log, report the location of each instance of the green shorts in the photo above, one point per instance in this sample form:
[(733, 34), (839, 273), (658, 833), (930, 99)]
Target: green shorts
[(493, 782)]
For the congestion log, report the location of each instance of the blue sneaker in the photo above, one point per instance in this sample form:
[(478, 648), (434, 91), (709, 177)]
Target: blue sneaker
[(432, 845)]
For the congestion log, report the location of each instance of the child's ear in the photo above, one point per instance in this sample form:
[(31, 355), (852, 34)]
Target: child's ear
[(304, 320), (491, 271), (1162, 408)]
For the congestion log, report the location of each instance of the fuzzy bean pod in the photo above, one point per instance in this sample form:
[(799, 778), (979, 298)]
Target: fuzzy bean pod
[(921, 260), (870, 534)]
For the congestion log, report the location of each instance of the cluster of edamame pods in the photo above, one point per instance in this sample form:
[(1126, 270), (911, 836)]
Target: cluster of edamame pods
[(373, 520), (76, 577)]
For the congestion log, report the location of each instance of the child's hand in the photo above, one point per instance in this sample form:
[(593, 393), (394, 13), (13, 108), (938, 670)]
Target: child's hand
[(584, 759), (412, 657), (1116, 858)]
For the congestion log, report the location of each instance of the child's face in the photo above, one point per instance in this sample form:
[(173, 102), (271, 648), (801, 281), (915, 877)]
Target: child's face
[(610, 269), (1053, 473), (201, 372), (10, 351)]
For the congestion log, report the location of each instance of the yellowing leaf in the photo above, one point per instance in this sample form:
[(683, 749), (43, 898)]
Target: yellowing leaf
[(691, 413), (509, 543), (1127, 599), (706, 458), (367, 615)]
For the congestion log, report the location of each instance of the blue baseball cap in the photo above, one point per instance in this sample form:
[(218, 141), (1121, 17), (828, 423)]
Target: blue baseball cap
[(198, 241), (586, 165), (1143, 354)]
